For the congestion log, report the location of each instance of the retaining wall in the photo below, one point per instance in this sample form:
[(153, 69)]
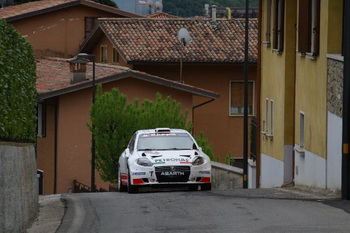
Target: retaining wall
[(226, 177), (18, 187)]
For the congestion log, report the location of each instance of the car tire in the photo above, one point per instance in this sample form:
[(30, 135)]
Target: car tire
[(121, 187), (131, 188), (206, 187)]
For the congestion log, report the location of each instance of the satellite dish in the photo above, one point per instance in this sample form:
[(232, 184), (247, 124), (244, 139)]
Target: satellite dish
[(150, 3), (184, 36), (158, 6)]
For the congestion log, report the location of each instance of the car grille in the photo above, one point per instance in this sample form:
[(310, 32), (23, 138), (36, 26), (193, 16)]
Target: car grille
[(173, 173)]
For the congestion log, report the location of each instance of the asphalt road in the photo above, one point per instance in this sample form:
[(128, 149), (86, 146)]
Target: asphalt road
[(260, 210)]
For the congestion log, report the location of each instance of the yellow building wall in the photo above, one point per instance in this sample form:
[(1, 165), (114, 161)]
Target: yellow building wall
[(311, 81), (277, 75)]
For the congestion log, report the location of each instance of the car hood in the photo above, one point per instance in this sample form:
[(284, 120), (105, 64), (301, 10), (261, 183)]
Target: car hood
[(171, 157)]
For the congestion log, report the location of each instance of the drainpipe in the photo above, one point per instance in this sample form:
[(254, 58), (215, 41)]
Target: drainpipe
[(197, 106), (55, 151)]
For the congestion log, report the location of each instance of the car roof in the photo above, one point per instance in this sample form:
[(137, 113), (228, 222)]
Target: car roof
[(161, 130)]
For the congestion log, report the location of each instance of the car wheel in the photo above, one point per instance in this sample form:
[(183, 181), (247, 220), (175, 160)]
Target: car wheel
[(206, 186), (121, 187), (131, 188)]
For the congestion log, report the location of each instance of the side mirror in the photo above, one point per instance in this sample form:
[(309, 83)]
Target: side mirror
[(127, 152)]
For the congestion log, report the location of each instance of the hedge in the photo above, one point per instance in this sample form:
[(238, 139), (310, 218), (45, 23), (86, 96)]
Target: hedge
[(17, 87)]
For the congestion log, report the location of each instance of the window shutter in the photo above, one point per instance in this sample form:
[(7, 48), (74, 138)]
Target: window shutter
[(268, 21), (304, 26), (280, 25), (316, 28), (275, 24), (278, 32)]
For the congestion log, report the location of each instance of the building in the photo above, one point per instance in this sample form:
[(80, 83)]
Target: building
[(213, 59), (301, 96), (57, 28), (65, 92)]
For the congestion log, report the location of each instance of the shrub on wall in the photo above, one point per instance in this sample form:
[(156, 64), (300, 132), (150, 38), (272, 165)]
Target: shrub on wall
[(17, 87)]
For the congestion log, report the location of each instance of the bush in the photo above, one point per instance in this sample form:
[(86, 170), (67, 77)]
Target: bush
[(17, 87), (114, 122), (206, 146)]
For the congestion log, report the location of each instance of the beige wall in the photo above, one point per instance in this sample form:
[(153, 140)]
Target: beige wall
[(74, 138), (46, 149), (59, 33)]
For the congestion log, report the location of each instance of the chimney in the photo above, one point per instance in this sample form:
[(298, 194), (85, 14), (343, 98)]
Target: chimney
[(78, 70), (213, 15)]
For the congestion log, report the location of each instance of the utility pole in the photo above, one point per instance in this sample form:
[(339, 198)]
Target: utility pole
[(346, 103), (245, 118)]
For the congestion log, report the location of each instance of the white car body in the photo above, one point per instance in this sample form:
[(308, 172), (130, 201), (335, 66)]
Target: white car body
[(163, 156)]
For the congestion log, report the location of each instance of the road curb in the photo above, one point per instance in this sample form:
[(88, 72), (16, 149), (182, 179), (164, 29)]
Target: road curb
[(51, 212)]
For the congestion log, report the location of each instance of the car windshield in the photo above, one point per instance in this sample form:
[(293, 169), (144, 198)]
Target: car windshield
[(171, 141)]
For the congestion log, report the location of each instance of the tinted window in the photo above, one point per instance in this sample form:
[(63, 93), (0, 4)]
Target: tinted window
[(179, 141)]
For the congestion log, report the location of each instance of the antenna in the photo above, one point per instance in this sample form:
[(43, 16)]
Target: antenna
[(158, 6), (184, 36)]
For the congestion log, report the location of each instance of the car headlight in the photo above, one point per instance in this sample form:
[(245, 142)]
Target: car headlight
[(198, 161), (144, 162)]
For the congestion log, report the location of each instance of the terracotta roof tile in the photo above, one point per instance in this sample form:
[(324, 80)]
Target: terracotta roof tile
[(156, 40), (53, 78), (162, 15), (38, 7)]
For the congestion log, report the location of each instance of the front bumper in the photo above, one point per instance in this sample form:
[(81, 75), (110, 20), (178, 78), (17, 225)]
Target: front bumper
[(170, 175)]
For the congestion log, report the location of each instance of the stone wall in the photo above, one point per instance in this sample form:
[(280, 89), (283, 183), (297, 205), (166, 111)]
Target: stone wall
[(335, 87), (226, 177), (18, 187)]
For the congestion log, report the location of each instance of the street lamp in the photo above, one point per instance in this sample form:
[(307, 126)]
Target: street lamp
[(91, 56)]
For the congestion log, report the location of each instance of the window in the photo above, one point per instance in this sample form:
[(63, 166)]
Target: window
[(309, 27), (103, 54), (41, 130), (302, 131), (278, 30), (266, 115), (267, 41), (237, 98), (271, 117), (90, 23), (115, 56)]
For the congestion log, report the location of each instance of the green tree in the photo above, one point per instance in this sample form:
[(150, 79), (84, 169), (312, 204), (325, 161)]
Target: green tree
[(17, 87), (114, 122)]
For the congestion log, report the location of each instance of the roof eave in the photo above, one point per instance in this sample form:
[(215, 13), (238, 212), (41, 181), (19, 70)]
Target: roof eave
[(43, 11), (131, 74)]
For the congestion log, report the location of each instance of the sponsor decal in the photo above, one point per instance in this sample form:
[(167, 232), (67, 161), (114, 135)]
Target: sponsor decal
[(204, 172), (139, 173), (181, 160), (159, 163), (172, 173)]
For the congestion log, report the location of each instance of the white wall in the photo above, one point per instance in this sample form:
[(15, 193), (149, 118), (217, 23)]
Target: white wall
[(288, 163), (334, 152), (310, 170), (272, 172)]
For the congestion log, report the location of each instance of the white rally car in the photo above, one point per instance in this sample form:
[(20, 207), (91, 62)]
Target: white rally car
[(161, 157)]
